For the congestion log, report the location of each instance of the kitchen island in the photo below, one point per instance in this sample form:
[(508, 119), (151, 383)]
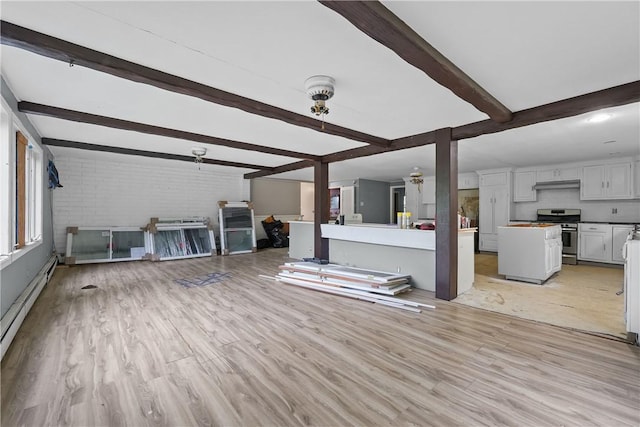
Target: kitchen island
[(408, 251)]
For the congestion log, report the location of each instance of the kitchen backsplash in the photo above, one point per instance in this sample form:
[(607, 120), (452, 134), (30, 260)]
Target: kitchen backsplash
[(592, 210)]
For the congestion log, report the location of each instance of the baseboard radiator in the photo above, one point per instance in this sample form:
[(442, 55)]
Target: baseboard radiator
[(11, 321)]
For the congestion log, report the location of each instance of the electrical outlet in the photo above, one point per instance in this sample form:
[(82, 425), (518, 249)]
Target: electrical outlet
[(614, 211)]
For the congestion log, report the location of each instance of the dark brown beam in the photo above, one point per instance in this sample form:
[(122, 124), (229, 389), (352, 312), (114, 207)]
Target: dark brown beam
[(51, 47), (321, 208), (447, 214), (613, 97), (303, 164), (77, 116), (131, 152), (379, 23)]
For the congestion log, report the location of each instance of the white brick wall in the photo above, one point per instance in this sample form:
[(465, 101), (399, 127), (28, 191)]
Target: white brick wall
[(103, 189)]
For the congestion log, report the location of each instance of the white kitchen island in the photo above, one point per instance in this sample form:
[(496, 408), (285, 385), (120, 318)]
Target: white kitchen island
[(408, 251)]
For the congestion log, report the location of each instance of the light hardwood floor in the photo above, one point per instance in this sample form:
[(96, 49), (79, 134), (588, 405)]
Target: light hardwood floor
[(143, 350), (583, 297)]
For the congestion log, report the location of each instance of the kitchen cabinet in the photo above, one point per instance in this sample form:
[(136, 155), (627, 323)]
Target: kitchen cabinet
[(494, 207), (523, 183), (467, 181), (602, 242), (557, 174), (619, 236), (595, 242), (429, 190), (607, 181)]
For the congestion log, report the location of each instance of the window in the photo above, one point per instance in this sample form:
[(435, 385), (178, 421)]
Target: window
[(21, 178)]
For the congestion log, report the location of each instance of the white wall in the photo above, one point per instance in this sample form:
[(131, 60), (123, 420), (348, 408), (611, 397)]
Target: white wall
[(592, 210), (104, 189)]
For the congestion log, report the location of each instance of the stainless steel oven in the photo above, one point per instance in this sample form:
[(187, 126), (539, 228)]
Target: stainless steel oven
[(570, 243), (568, 219)]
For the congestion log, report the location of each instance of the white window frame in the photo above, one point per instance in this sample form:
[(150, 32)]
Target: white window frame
[(34, 188)]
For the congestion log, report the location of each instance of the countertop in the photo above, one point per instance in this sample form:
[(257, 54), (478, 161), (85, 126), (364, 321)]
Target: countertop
[(586, 222)]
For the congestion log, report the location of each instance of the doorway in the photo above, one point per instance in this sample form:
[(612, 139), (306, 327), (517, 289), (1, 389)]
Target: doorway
[(396, 202)]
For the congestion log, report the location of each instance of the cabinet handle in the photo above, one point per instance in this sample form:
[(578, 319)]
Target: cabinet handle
[(602, 184), (607, 184)]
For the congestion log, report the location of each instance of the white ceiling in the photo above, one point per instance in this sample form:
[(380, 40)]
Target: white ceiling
[(524, 53)]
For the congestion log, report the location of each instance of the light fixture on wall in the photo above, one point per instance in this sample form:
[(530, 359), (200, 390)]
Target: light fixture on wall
[(320, 89), (415, 177), (198, 152)]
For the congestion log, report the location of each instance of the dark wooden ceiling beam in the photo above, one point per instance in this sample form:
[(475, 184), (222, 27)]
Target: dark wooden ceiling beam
[(379, 23), (77, 116), (52, 47), (612, 97), (154, 154), (280, 169)]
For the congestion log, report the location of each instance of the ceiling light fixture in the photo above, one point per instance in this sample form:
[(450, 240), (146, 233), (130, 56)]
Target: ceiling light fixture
[(415, 177), (598, 118), (198, 152), (320, 89)]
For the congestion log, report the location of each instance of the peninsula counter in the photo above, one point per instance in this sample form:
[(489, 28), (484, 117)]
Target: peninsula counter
[(388, 248)]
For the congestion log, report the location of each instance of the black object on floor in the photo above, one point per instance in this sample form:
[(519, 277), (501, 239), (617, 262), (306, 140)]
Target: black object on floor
[(89, 287), (316, 260)]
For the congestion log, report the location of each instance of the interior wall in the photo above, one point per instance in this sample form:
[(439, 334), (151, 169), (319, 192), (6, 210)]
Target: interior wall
[(15, 277), (592, 210), (105, 189), (307, 202), (372, 201), (275, 196)]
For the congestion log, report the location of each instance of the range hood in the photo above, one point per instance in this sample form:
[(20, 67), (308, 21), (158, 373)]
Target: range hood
[(557, 185)]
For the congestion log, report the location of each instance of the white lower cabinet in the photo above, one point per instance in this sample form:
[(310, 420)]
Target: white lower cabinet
[(602, 242), (619, 236)]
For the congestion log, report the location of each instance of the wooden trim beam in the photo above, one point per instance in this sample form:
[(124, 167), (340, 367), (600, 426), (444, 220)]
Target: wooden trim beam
[(303, 164), (143, 153), (612, 97), (447, 214), (77, 116), (321, 208), (52, 47), (379, 23)]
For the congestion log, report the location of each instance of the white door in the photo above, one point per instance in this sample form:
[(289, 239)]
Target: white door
[(592, 186), (306, 200), (523, 183), (347, 200), (619, 181), (620, 233), (594, 246), (485, 213), (500, 207)]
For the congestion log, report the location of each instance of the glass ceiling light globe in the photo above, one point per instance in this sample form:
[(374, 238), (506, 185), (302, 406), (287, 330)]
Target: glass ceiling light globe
[(598, 118)]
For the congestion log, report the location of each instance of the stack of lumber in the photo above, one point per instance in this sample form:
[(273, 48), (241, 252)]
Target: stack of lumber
[(368, 285)]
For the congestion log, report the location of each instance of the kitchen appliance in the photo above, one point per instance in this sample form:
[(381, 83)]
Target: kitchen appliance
[(568, 220), (631, 254)]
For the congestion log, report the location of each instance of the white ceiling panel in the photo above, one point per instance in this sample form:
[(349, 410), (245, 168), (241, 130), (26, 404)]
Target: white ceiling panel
[(524, 53)]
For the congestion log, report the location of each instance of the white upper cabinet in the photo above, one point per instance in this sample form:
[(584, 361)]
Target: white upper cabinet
[(608, 181), (557, 174), (468, 180), (523, 183)]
